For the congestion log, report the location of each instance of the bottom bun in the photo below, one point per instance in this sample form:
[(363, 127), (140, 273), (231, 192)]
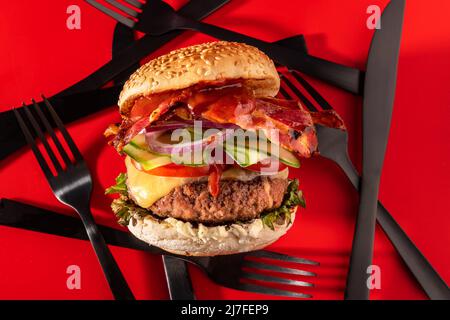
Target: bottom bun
[(183, 238)]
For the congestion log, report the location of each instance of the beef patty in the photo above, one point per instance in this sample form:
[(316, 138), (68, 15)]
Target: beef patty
[(237, 201)]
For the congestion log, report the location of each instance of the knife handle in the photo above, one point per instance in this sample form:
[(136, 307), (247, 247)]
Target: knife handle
[(178, 280), (362, 247), (431, 282)]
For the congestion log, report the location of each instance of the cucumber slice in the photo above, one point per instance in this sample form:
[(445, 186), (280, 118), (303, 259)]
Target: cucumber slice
[(243, 155), (285, 156), (139, 142), (289, 158), (246, 156), (190, 164), (146, 159)]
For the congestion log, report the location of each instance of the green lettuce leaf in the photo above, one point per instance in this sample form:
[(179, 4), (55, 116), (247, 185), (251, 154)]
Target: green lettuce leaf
[(125, 209), (122, 206), (292, 198), (120, 187)]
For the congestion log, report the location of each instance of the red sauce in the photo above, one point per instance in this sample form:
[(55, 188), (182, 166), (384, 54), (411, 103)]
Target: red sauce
[(232, 102), (214, 179), (222, 105)]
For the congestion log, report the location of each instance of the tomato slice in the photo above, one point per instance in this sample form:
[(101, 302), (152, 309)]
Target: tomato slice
[(273, 166), (176, 170)]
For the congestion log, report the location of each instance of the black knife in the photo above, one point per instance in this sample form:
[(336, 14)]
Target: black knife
[(20, 215), (123, 38), (379, 93), (70, 110)]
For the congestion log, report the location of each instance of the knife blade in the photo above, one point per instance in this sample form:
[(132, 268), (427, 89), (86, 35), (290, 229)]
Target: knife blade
[(379, 93), (11, 141), (177, 275), (123, 38)]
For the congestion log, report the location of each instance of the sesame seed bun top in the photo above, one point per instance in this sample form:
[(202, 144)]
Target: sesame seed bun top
[(211, 61)]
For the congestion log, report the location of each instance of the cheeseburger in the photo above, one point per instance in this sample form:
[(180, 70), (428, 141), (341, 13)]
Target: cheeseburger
[(207, 147)]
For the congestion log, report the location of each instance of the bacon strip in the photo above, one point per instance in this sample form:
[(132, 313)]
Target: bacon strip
[(328, 118), (235, 104)]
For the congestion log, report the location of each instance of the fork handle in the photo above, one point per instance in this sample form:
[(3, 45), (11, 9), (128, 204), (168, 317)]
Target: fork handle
[(434, 286), (341, 76), (115, 278)]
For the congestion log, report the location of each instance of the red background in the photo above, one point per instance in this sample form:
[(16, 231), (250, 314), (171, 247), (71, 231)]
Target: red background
[(40, 55)]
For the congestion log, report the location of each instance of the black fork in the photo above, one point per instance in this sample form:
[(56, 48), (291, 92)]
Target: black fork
[(243, 272), (156, 17), (72, 185), (333, 145)]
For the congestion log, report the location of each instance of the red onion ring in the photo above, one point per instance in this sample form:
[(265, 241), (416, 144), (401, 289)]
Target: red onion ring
[(190, 147), (173, 125)]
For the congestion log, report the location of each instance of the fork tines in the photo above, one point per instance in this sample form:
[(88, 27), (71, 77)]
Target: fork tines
[(132, 10), (263, 277), (297, 94), (272, 291), (280, 256), (251, 266), (311, 91), (40, 134), (271, 267)]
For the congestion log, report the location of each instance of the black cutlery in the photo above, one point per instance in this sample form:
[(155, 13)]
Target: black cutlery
[(379, 92), (82, 99), (71, 183), (229, 271), (333, 145), (177, 278), (388, 221), (17, 214), (123, 38), (157, 17)]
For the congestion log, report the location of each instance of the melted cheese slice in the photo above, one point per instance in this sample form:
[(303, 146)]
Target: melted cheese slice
[(146, 189)]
